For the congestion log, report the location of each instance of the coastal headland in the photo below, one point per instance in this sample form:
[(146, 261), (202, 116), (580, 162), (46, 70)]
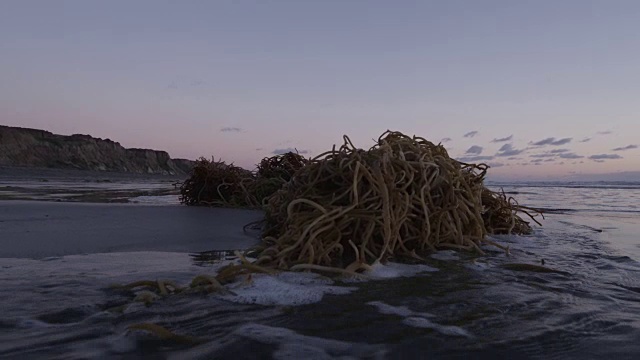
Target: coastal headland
[(33, 148)]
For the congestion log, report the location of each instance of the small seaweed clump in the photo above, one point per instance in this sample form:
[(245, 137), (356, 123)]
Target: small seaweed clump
[(281, 166), (349, 208), (215, 183)]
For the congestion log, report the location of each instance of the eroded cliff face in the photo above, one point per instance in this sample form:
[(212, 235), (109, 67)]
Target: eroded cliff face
[(39, 148)]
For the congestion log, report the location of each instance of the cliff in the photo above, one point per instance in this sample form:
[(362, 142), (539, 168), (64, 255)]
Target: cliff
[(39, 148)]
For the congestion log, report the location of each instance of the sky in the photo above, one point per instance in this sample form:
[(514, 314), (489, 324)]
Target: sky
[(536, 89)]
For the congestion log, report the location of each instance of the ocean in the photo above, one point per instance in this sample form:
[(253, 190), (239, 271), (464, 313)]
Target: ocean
[(456, 305)]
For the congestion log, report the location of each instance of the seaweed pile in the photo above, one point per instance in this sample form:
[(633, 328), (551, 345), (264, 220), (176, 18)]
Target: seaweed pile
[(215, 183), (281, 166), (349, 208)]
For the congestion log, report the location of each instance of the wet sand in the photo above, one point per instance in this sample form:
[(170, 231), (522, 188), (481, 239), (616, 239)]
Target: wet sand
[(35, 229)]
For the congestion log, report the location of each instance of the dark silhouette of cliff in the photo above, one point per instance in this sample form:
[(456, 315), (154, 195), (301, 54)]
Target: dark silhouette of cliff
[(39, 148)]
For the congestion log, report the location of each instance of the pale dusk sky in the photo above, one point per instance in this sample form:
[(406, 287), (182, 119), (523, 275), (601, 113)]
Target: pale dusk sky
[(538, 89)]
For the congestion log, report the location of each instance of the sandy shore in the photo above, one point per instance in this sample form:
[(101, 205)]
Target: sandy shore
[(34, 229)]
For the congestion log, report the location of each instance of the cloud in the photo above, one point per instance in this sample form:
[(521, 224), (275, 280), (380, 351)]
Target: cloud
[(284, 151), (546, 141), (605, 157), (230, 129), (475, 149), (548, 160), (471, 134), (551, 141), (508, 138), (508, 150), (545, 155), (536, 161), (444, 140), (570, 156), (259, 149), (562, 141), (563, 153), (173, 85), (585, 140), (628, 147), (606, 132), (472, 159)]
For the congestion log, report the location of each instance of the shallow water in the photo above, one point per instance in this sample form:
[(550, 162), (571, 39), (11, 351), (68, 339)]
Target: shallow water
[(87, 186), (457, 305)]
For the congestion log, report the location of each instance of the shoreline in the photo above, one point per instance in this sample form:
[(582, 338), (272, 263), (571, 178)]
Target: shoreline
[(12, 173)]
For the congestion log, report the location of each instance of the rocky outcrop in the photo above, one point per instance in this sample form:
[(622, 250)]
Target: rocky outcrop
[(39, 148)]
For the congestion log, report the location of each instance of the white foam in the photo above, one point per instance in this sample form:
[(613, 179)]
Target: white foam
[(421, 322), (284, 289), (418, 319), (477, 265), (296, 346), (396, 310), (395, 270), (445, 255)]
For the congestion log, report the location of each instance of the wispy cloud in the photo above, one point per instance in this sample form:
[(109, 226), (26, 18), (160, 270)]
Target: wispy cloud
[(284, 151), (545, 155), (172, 85), (551, 141), (504, 139), (605, 157), (570, 156), (606, 132), (558, 151), (231, 129), (628, 147), (509, 150), (259, 149), (444, 140), (585, 140), (472, 159), (471, 134), (475, 149)]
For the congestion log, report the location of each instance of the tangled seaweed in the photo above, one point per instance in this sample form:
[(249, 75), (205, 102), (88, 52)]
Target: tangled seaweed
[(215, 183), (350, 208), (281, 166)]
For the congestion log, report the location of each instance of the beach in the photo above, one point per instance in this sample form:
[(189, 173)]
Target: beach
[(61, 263)]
